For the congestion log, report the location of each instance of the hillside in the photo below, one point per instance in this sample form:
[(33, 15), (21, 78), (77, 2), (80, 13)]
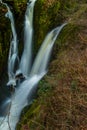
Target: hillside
[(62, 94)]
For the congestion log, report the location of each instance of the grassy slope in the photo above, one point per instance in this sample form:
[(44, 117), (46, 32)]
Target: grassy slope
[(62, 94)]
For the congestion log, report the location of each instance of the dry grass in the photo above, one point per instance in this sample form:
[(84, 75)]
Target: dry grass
[(64, 107), (67, 107)]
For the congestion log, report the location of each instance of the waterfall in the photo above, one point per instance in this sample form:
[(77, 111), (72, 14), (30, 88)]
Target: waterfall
[(20, 99), (42, 58), (26, 59), (13, 52), (27, 76)]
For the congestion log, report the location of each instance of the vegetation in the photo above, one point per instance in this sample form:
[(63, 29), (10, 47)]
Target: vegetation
[(62, 95)]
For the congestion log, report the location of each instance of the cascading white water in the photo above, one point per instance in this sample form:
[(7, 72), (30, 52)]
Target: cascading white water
[(13, 52), (20, 99), (26, 60), (24, 91), (42, 58)]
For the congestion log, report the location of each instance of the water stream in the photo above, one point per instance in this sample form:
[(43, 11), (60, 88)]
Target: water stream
[(24, 80), (25, 65), (13, 51)]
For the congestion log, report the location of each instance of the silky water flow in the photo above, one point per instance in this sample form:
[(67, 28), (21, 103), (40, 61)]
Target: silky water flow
[(31, 73)]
